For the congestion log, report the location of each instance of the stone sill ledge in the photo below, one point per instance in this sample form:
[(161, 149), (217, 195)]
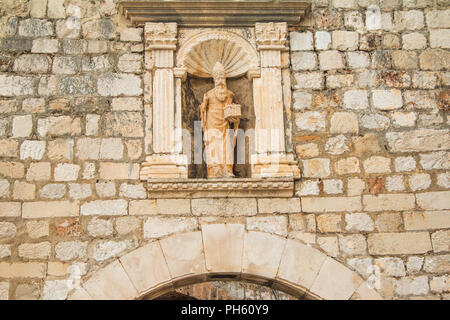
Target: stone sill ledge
[(221, 188)]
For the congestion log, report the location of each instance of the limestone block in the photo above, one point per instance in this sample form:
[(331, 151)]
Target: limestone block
[(37, 229), (356, 99), (412, 286), (331, 204), (39, 171), (262, 254), (184, 254), (377, 164), (99, 29), (100, 227), (115, 84), (399, 243), (53, 191), (323, 40), (12, 169), (23, 191), (358, 222), (131, 34), (35, 28), (311, 120), (344, 122), (387, 99), (329, 285), (98, 63), (347, 166), (126, 225), (300, 264), (389, 202), (41, 250), (106, 249), (56, 9), (58, 126), (435, 160), (352, 245), (130, 62), (437, 264), (329, 223), (38, 8), (418, 140), (79, 294), (66, 172), (224, 207), (22, 270), (279, 205), (47, 209), (414, 41), (441, 240), (408, 20), (8, 148), (70, 250), (345, 40), (45, 46), (270, 224), (119, 171), (395, 183), (105, 207), (434, 200), (440, 38), (311, 80), (125, 124), (10, 209), (434, 59), (330, 60), (438, 18), (112, 283), (375, 121), (32, 150), (366, 292), (7, 230), (32, 63), (69, 28), (301, 41), (55, 290), (157, 227), (337, 145), (223, 245)]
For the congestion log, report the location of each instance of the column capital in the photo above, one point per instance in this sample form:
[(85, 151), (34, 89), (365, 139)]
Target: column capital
[(161, 36), (271, 36), (180, 72)]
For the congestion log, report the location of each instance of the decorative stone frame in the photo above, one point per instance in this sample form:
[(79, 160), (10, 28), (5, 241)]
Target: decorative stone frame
[(261, 61)]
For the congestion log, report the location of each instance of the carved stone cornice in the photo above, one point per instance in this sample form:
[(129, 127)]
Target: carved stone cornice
[(215, 13), (220, 188)]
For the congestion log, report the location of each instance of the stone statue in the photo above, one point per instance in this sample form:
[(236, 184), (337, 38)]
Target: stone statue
[(217, 114)]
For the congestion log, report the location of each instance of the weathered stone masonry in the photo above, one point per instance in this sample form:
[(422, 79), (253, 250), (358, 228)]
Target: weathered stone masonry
[(370, 130)]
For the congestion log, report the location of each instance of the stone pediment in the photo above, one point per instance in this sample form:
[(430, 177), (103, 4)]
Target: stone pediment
[(188, 13)]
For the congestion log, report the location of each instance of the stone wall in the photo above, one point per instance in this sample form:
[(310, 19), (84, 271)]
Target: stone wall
[(370, 123)]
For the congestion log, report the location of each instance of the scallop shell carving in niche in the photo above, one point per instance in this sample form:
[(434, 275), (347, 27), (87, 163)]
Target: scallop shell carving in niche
[(201, 59)]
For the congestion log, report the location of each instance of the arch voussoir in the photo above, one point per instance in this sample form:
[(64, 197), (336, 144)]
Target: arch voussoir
[(225, 251)]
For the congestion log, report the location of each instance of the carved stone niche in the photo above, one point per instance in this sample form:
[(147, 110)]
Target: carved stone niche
[(173, 56)]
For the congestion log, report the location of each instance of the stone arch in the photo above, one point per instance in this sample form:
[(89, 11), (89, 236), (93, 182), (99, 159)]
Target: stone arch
[(199, 54), (225, 252)]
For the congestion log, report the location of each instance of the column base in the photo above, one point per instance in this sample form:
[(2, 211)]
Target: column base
[(274, 166), (164, 167)]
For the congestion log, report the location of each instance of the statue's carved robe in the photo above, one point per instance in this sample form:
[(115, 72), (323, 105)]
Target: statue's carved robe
[(219, 148)]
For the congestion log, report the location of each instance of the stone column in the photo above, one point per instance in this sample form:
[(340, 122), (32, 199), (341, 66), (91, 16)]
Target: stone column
[(270, 158), (165, 159)]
